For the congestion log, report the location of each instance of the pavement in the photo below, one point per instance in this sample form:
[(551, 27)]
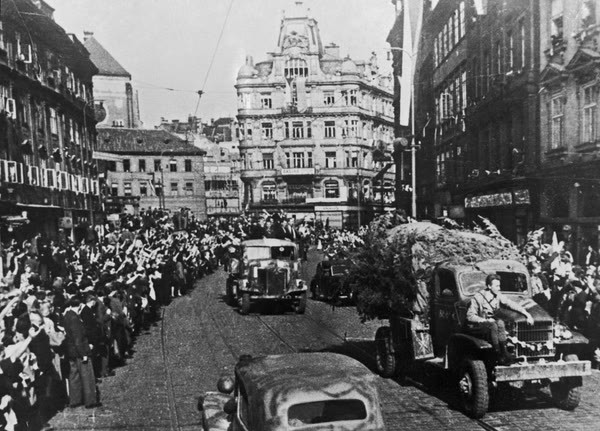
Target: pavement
[(200, 337)]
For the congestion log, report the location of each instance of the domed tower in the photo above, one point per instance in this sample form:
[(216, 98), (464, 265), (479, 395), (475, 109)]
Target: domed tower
[(299, 32)]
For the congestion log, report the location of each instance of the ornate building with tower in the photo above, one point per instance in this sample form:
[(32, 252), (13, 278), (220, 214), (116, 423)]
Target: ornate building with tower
[(315, 129)]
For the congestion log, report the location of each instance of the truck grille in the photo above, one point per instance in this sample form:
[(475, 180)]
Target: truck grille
[(533, 340), (272, 281)]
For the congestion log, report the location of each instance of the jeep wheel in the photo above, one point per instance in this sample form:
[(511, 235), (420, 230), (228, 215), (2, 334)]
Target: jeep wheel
[(300, 305), (245, 306), (385, 357), (566, 393), (473, 388)]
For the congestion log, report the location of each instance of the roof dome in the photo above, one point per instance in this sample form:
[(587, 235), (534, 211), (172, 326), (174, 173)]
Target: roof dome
[(349, 67), (247, 71)]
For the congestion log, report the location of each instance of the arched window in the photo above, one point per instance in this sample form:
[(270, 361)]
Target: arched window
[(268, 191), (295, 67), (332, 189)]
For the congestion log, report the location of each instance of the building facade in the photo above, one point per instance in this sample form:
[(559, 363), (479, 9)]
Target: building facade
[(315, 129), (569, 175), (117, 103), (476, 88), (47, 125), (144, 169)]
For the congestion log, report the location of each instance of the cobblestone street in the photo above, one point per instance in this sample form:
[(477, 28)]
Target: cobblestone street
[(200, 337)]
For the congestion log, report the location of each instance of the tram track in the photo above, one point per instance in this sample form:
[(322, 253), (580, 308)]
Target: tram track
[(175, 422)]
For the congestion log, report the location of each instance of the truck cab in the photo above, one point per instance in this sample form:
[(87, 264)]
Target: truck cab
[(543, 355)]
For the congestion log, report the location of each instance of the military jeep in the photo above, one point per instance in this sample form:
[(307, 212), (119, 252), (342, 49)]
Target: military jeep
[(545, 353), (268, 273)]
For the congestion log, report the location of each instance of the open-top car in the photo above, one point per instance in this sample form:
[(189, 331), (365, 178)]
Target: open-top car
[(269, 273), (331, 281), (300, 391)]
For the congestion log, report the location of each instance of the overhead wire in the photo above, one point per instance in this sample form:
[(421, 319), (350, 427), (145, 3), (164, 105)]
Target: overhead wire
[(212, 60)]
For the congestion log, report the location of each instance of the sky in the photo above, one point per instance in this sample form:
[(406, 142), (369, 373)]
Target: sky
[(170, 43)]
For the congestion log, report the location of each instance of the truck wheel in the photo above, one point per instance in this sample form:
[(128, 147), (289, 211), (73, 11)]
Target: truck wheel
[(245, 307), (385, 357), (566, 393), (300, 306), (473, 388)]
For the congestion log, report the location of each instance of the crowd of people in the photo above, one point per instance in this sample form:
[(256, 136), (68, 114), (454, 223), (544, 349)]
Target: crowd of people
[(568, 291), (70, 312)]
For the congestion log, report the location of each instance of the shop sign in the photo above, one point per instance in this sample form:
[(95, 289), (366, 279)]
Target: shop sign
[(522, 197), (493, 200), (297, 171)]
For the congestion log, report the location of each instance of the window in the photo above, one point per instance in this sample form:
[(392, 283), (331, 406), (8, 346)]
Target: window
[(188, 165), (589, 123), (53, 122), (298, 160), (127, 188), (328, 98), (268, 191), (295, 67), (510, 51), (142, 165), (143, 189), (288, 160), (267, 130), (111, 166), (268, 162), (174, 188), (330, 129), (189, 188), (556, 125), (309, 159), (173, 165), (297, 129), (266, 101), (157, 166), (351, 128), (498, 58), (332, 189), (330, 159), (352, 159), (487, 73), (126, 165), (522, 42), (350, 97), (114, 189), (287, 129), (461, 18)]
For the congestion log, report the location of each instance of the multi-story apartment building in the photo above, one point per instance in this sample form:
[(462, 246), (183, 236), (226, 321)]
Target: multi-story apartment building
[(476, 87), (47, 124), (569, 176), (315, 129), (116, 101), (150, 169)]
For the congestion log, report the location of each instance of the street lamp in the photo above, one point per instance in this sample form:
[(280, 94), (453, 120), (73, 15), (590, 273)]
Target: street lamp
[(413, 145)]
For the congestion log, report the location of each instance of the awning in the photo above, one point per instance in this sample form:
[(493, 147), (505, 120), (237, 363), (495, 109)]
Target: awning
[(39, 206)]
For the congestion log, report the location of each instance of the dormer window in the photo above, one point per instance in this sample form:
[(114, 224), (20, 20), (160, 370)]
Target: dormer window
[(557, 19), (295, 67)]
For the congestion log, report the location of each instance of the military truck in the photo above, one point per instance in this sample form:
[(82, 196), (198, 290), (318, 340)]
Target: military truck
[(268, 273), (546, 353)]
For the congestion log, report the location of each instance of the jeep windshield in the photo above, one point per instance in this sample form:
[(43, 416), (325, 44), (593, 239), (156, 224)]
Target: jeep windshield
[(510, 282), (319, 412), (257, 253)]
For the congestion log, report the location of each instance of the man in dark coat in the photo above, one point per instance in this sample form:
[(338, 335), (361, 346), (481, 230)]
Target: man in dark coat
[(82, 383)]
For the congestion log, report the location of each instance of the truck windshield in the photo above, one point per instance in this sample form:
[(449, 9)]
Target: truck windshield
[(339, 269), (319, 412), (473, 282)]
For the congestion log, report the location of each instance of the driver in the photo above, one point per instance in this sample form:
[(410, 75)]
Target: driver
[(483, 322)]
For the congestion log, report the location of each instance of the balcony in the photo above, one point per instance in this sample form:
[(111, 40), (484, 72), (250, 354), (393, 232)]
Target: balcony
[(293, 109), (589, 37)]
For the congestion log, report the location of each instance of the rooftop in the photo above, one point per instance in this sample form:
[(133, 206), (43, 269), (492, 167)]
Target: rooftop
[(139, 141), (104, 61)]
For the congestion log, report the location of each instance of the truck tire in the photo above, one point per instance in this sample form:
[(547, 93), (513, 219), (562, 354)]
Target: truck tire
[(473, 388), (385, 356), (300, 306), (245, 306), (566, 393)]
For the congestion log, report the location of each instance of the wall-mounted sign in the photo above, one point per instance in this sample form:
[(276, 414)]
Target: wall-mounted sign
[(516, 197), (297, 171)]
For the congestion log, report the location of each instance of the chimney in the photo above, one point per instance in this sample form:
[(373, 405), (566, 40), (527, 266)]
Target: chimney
[(333, 50), (87, 34)]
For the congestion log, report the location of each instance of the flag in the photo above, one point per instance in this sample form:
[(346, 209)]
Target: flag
[(151, 184), (411, 34)]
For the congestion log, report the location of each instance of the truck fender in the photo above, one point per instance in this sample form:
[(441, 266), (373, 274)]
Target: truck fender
[(461, 345)]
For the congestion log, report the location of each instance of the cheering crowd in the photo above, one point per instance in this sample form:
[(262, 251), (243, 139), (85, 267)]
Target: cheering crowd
[(69, 312)]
